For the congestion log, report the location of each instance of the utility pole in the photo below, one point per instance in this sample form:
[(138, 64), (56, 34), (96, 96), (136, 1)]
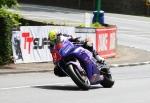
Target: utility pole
[(98, 13), (98, 8), (98, 5)]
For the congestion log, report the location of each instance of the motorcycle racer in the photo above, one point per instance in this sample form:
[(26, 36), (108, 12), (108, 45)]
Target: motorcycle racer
[(56, 37)]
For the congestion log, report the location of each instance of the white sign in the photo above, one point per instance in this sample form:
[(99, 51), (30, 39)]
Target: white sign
[(106, 41), (31, 43)]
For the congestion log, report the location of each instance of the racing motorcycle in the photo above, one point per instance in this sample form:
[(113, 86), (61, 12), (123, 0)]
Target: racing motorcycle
[(79, 64)]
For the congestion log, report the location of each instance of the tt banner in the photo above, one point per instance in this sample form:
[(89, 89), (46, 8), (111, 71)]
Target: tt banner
[(106, 41), (31, 43)]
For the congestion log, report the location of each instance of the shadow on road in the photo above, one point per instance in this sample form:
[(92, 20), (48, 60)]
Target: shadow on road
[(64, 88)]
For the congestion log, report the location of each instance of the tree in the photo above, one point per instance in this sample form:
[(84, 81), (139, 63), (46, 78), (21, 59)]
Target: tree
[(8, 3), (8, 20)]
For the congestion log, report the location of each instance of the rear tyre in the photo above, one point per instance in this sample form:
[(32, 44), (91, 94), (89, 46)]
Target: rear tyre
[(79, 78), (107, 82)]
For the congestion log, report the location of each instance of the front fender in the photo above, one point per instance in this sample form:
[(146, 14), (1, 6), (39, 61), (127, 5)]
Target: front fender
[(77, 64)]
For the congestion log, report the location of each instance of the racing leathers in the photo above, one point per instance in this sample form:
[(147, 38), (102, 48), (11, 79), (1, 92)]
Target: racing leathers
[(85, 44)]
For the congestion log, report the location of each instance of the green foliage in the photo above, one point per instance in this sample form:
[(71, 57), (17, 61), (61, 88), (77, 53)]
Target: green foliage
[(81, 25), (94, 25), (8, 20), (8, 3), (14, 18), (97, 25)]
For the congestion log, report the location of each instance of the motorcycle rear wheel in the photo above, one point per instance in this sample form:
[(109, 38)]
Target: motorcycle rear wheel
[(107, 82), (80, 79)]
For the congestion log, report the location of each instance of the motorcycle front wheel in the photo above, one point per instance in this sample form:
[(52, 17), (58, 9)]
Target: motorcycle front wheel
[(79, 78)]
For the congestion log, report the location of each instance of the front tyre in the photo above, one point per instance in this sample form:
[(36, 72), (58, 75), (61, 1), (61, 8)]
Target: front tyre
[(79, 78)]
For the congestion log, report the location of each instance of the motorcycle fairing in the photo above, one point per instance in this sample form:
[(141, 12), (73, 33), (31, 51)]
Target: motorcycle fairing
[(86, 57)]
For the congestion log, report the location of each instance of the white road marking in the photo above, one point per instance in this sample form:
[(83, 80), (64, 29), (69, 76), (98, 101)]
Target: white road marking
[(9, 88), (29, 86)]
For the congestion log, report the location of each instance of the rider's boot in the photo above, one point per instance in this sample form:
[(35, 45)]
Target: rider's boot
[(98, 57), (104, 68), (89, 46)]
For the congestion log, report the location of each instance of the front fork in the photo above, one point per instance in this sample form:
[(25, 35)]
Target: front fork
[(92, 72)]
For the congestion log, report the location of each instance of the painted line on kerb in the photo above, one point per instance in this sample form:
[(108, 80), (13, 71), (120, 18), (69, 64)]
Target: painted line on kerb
[(129, 64)]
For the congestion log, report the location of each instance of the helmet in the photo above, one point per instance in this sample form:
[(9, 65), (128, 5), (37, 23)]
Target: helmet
[(52, 35)]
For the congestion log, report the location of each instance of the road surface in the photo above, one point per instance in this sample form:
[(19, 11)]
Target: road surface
[(132, 86)]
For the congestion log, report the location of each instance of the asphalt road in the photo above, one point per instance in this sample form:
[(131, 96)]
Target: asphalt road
[(132, 86), (133, 31)]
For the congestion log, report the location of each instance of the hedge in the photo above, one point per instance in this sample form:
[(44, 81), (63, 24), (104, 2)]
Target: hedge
[(7, 22)]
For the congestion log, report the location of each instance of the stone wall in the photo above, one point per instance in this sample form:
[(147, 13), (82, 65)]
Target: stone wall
[(125, 6), (77, 4), (115, 6)]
